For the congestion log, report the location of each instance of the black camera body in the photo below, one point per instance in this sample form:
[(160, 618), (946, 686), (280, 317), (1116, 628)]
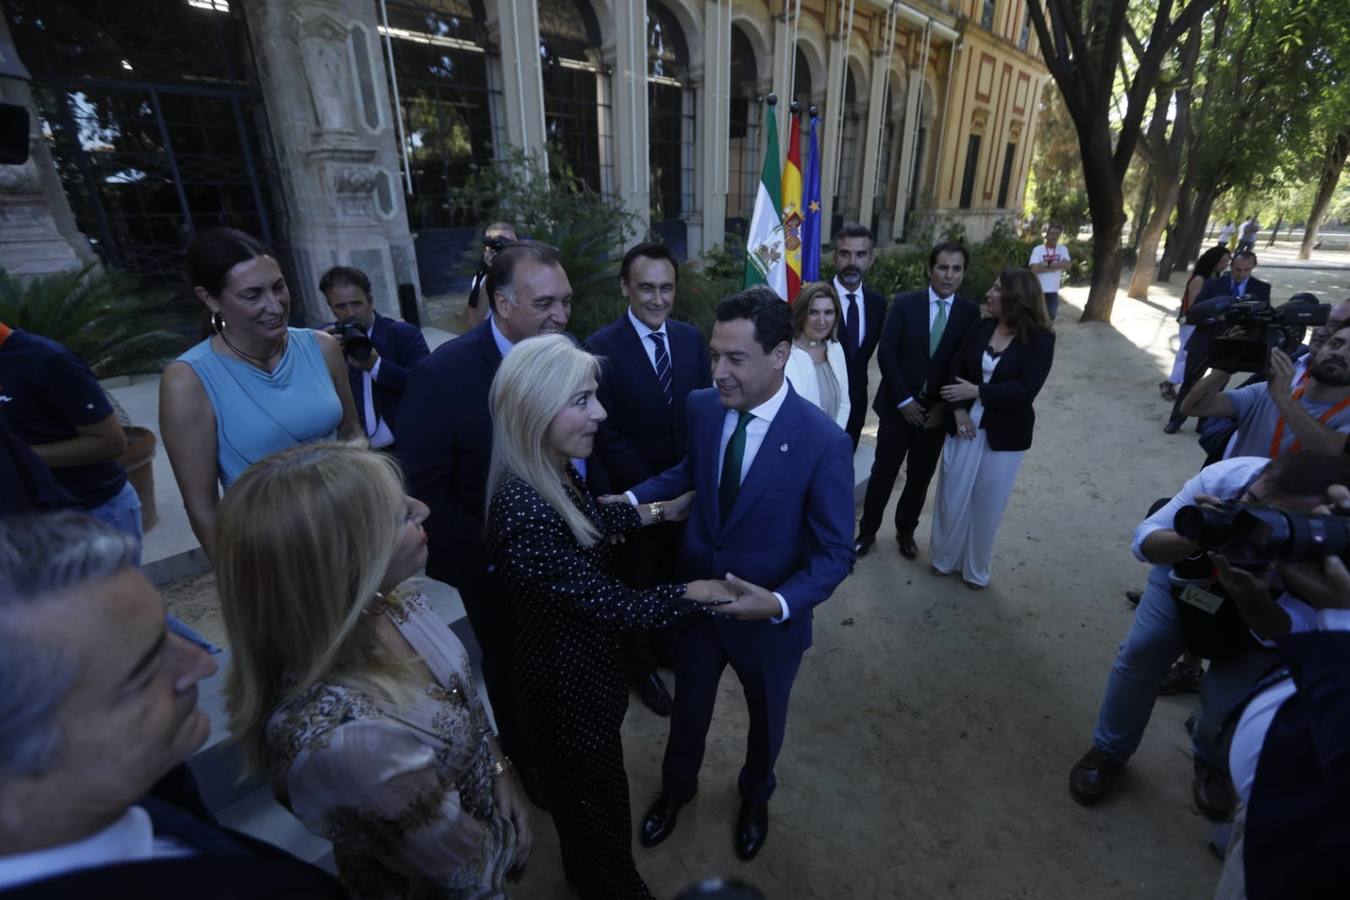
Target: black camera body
[(496, 243), (1254, 535), (1264, 328), (355, 340)]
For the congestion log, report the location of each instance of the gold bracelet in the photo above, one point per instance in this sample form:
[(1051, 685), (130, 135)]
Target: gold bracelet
[(658, 512), (501, 766)]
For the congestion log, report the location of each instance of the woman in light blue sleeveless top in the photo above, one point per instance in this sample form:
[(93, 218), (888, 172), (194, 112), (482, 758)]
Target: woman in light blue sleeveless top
[(254, 387)]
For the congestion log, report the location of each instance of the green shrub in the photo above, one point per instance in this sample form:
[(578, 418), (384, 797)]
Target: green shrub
[(101, 316)]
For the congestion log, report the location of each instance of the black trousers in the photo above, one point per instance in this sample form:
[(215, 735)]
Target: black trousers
[(897, 440), (489, 611), (645, 560), (857, 415), (1195, 370)]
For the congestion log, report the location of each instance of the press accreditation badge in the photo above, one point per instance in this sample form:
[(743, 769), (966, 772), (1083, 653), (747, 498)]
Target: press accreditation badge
[(1201, 598)]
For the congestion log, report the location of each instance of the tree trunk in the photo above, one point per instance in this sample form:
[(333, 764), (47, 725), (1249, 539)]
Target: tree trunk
[(1106, 201), (1194, 237), (1275, 231), (1141, 212), (1144, 269), (1332, 164)]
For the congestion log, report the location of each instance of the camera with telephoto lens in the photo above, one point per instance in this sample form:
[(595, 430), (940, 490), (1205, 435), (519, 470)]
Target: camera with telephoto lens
[(1252, 535), (354, 339), (1262, 328)]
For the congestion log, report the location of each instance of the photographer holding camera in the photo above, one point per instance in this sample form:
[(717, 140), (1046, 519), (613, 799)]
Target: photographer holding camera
[(495, 237), (1277, 417), (1290, 755), (1182, 607), (379, 351)]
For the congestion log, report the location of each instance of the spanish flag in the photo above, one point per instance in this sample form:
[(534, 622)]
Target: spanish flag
[(792, 206)]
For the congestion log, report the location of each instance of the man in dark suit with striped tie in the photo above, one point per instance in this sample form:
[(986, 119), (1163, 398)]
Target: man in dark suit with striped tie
[(99, 713), (651, 363)]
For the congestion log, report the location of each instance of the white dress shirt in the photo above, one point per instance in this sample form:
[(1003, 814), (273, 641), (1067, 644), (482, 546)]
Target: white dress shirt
[(844, 304), (129, 839), (381, 436), (933, 300), (643, 333)]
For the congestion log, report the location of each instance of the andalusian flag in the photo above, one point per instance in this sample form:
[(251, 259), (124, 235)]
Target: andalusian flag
[(811, 216), (792, 208), (764, 263)]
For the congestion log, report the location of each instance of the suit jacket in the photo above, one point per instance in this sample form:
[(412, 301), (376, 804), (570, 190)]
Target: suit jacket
[(1008, 415), (401, 346), (1298, 816), (1221, 287), (644, 434), (226, 864), (801, 374), (791, 528), (907, 368), (874, 319), (445, 445)]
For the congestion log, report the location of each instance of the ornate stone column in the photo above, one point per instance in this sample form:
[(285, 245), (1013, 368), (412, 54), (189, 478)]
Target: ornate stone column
[(714, 124), (876, 115), (321, 65), (514, 26), (628, 60)]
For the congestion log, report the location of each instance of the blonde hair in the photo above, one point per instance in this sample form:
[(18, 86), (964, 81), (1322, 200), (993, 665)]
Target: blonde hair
[(304, 540), (536, 380)]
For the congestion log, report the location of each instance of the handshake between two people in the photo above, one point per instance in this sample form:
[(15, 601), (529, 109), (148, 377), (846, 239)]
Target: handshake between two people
[(730, 596)]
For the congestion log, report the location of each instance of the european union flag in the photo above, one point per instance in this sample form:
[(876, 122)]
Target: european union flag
[(811, 207)]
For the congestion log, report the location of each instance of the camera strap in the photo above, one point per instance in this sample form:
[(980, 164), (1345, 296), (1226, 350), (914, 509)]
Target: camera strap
[(1324, 418)]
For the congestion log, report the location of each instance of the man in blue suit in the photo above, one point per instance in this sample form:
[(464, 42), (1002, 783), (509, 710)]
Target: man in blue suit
[(377, 373), (923, 330), (445, 446), (1237, 282), (773, 514), (650, 365)]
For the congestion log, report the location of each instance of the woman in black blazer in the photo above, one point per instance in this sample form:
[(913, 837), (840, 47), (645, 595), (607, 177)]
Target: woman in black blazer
[(993, 379)]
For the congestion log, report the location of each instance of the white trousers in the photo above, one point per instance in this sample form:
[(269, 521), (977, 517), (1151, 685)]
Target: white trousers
[(973, 490), (1179, 366)]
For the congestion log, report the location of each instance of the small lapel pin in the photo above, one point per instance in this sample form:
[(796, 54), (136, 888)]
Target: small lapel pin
[(782, 448)]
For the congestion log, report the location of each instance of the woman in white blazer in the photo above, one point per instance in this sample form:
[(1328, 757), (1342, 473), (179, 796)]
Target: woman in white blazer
[(816, 368)]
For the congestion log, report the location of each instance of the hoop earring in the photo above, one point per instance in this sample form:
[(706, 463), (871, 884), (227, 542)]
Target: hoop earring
[(378, 607), (217, 322)]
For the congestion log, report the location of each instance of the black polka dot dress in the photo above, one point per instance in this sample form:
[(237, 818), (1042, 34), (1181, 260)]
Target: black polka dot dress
[(569, 612)]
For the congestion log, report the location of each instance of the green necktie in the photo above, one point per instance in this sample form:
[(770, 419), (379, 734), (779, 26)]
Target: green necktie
[(939, 323), (730, 484)]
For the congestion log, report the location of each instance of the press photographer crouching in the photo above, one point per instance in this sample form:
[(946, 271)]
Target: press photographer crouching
[(379, 351), (1290, 753), (1184, 608)]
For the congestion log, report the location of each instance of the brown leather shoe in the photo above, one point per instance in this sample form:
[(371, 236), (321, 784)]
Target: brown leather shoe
[(1092, 776)]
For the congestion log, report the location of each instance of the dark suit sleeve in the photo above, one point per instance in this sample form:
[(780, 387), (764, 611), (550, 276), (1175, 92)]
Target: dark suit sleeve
[(540, 562), (409, 348), (959, 367), (1317, 660), (888, 353), (1020, 391), (622, 462), (426, 445), (829, 519)]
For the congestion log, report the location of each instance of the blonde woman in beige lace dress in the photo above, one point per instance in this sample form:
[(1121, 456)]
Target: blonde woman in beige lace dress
[(351, 693)]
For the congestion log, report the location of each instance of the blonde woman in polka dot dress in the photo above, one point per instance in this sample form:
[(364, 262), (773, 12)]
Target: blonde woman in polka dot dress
[(551, 543)]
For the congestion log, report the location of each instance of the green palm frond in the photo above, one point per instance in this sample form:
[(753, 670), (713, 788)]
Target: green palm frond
[(100, 315)]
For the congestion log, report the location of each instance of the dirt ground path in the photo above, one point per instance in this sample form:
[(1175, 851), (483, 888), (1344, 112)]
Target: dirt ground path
[(933, 728)]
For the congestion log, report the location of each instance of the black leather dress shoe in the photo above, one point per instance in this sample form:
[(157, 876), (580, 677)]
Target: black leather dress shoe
[(1092, 776), (908, 549), (1213, 792), (660, 820), (752, 827), (863, 544), (651, 690)]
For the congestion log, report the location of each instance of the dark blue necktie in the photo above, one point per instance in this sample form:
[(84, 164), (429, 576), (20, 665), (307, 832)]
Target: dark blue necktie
[(663, 365), (851, 326)]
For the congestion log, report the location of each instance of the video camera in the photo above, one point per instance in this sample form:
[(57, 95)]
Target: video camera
[(1263, 327), (1254, 535)]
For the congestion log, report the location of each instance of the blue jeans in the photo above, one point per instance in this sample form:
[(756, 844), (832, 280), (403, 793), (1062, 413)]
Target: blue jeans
[(123, 512), (1052, 304), (1153, 644)]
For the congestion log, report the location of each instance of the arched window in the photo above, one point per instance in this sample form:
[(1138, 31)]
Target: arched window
[(746, 156), (801, 82), (670, 118), (576, 94), (450, 102), (846, 198)]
